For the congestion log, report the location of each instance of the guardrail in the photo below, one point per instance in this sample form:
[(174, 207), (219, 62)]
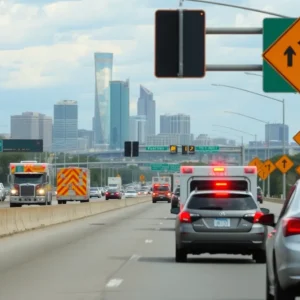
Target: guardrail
[(15, 220)]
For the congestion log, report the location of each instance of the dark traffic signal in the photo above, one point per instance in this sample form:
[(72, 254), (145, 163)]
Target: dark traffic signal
[(180, 40), (131, 149)]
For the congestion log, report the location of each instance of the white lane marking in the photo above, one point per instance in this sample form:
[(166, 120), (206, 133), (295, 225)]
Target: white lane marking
[(114, 282), (160, 223), (135, 257), (148, 241)]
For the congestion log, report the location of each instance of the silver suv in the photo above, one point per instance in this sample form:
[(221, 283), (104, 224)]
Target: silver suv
[(219, 222), (283, 249)]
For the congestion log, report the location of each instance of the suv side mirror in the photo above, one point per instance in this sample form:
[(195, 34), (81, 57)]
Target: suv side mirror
[(267, 220), (265, 210)]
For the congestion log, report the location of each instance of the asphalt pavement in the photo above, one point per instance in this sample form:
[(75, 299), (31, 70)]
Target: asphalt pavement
[(126, 254)]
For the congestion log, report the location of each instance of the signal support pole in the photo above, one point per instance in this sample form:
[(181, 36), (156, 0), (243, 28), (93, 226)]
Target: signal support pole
[(180, 74), (235, 31)]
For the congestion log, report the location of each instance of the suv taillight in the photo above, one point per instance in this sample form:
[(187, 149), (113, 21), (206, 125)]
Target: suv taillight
[(291, 226), (185, 217), (254, 218)]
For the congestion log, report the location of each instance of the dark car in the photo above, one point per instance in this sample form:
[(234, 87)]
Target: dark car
[(219, 222), (260, 196), (113, 194), (175, 197)]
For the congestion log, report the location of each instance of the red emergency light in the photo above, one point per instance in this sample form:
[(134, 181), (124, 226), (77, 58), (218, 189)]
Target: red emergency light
[(187, 170), (250, 170)]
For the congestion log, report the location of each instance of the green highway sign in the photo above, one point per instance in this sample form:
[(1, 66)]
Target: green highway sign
[(1, 145), (157, 148), (207, 148), (280, 44), (165, 167)]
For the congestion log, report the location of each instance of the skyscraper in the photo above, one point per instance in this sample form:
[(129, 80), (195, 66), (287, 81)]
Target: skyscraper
[(138, 129), (276, 132), (31, 125), (146, 107), (176, 124), (103, 76), (65, 126), (119, 113)]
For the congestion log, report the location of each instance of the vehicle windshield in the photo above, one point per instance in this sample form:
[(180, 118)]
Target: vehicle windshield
[(131, 192), (94, 189), (214, 201), (161, 188), (112, 191), (28, 178)]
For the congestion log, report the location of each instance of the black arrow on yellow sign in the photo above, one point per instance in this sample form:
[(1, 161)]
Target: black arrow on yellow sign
[(284, 163), (290, 52)]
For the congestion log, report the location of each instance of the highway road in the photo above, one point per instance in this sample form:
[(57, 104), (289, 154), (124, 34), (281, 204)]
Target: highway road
[(126, 254)]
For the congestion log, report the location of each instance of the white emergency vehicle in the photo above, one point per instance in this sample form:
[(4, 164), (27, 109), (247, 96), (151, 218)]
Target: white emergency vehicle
[(231, 178)]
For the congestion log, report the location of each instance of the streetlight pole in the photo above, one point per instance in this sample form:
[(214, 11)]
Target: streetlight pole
[(283, 121), (283, 133), (268, 139), (237, 6)]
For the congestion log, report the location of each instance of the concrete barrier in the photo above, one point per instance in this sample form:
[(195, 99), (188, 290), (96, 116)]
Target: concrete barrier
[(15, 220)]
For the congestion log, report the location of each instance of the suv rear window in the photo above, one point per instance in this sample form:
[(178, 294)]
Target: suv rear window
[(161, 188), (211, 201)]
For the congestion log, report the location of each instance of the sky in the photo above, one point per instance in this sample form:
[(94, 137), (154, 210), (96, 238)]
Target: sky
[(47, 49)]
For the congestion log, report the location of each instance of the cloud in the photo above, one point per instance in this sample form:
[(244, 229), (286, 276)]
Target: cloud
[(47, 54)]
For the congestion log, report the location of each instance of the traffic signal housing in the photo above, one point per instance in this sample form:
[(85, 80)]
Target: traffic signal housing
[(131, 149), (173, 149), (180, 40), (185, 149), (191, 149)]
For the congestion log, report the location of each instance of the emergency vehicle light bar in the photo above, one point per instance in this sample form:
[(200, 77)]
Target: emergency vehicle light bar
[(219, 169)]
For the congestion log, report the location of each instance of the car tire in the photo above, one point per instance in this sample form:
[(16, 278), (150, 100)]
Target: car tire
[(106, 199), (260, 257), (280, 294), (153, 201), (180, 255)]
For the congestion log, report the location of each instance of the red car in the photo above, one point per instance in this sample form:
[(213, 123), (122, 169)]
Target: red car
[(113, 194)]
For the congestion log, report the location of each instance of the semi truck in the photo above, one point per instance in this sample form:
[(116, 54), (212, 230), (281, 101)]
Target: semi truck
[(30, 183), (73, 184)]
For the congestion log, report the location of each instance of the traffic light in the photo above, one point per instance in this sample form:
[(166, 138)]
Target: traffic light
[(180, 41), (135, 149), (127, 149), (185, 149), (191, 149), (173, 149), (131, 149)]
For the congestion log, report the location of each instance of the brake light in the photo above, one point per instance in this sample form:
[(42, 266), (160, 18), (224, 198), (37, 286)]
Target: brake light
[(291, 226), (185, 217), (254, 218), (219, 169), (221, 184), (250, 170), (187, 170), (221, 194)]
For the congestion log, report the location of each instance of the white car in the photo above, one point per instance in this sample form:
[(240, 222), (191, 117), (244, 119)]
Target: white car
[(130, 194)]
